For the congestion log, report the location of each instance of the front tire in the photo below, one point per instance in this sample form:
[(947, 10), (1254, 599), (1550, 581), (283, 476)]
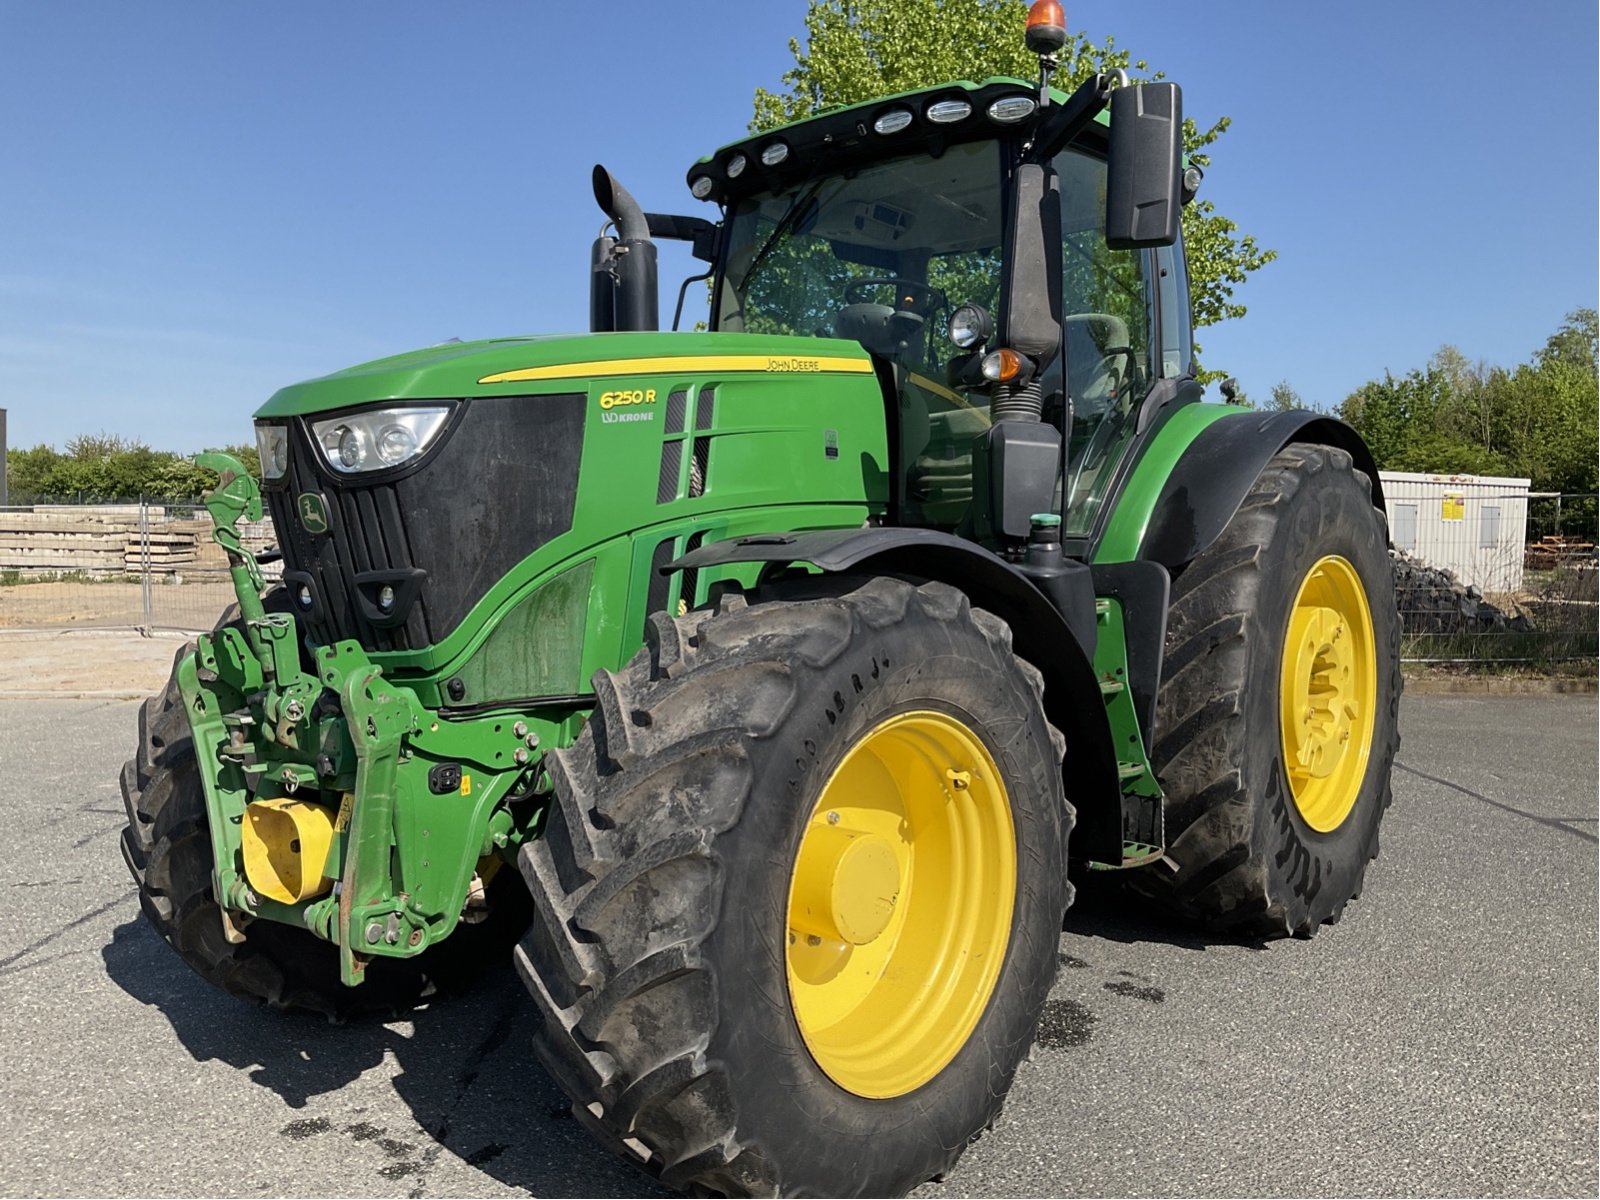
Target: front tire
[(167, 846), (685, 942), (1277, 718)]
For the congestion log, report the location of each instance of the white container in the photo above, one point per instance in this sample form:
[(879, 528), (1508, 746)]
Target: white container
[(1474, 525)]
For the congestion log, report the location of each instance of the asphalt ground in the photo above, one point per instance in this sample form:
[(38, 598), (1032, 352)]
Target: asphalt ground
[(1441, 1040)]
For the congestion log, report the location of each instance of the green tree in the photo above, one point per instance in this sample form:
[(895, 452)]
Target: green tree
[(1284, 398), (101, 467), (1538, 420), (858, 49)]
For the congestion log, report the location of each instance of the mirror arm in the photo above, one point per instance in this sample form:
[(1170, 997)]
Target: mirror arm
[(697, 230), (1063, 122)]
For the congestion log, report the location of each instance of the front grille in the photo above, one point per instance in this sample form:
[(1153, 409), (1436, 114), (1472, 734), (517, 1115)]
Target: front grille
[(366, 532), (502, 484)]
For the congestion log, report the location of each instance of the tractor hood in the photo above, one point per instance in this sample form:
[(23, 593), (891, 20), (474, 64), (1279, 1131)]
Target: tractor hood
[(559, 363)]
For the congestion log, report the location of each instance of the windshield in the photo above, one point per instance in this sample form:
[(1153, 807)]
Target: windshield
[(880, 255)]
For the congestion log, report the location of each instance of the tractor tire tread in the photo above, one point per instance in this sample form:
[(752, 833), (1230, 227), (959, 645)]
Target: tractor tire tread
[(660, 771)]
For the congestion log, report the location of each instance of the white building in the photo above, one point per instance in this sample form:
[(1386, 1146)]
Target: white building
[(1474, 525)]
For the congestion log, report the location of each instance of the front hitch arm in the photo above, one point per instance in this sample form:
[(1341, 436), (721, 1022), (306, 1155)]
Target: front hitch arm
[(236, 495)]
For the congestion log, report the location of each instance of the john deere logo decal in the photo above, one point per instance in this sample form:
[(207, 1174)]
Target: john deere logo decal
[(313, 516)]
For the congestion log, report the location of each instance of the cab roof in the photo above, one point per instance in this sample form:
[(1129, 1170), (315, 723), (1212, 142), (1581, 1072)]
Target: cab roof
[(838, 138)]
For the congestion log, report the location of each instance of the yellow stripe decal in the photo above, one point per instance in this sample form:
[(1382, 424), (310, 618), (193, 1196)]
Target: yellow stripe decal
[(779, 364)]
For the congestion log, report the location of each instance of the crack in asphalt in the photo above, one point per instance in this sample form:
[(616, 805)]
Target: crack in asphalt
[(1550, 822), (6, 966)]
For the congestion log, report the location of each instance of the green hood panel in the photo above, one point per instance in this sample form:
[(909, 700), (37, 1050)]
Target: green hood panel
[(561, 363)]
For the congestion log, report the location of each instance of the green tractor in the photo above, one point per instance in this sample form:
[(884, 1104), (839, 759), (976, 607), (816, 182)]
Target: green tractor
[(758, 688)]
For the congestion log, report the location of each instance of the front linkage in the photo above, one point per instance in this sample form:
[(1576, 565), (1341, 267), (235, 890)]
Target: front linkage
[(336, 801)]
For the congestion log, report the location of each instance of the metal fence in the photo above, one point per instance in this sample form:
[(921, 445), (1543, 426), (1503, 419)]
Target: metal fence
[(137, 563), (1532, 603), (152, 565)]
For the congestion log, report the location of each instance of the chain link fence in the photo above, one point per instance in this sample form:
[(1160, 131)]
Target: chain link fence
[(137, 563), (1529, 602)]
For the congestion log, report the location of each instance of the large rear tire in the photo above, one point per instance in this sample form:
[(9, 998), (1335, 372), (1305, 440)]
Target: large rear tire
[(712, 1013), (1277, 719), (167, 846)]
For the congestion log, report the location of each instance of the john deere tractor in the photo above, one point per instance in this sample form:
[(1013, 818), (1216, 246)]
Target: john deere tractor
[(758, 688)]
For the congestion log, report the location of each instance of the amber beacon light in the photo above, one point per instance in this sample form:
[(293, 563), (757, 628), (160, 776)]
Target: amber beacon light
[(1047, 27)]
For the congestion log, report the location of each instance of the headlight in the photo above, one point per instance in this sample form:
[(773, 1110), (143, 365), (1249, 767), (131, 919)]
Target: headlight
[(272, 443), (970, 326), (377, 439)]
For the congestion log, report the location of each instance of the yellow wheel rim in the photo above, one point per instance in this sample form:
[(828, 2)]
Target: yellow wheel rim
[(1328, 691), (900, 904)]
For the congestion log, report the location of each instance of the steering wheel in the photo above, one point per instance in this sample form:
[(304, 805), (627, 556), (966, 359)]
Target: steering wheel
[(910, 296)]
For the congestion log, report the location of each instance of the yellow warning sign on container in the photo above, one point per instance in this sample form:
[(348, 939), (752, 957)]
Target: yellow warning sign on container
[(1453, 507)]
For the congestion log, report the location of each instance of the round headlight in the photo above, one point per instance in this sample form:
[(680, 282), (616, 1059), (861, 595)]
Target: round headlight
[(736, 166), (893, 121), (774, 153), (1008, 110), (970, 326), (700, 187), (947, 112), (396, 443), (352, 448)]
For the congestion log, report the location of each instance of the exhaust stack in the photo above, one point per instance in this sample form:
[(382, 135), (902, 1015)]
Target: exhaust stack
[(622, 288)]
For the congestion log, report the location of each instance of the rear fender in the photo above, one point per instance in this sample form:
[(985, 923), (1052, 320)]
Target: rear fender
[(1040, 634), (1219, 467)]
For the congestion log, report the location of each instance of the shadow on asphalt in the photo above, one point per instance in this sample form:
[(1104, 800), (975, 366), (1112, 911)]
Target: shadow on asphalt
[(1105, 909), (466, 1071)]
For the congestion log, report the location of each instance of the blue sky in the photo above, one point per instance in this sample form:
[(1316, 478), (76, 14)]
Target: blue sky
[(201, 202)]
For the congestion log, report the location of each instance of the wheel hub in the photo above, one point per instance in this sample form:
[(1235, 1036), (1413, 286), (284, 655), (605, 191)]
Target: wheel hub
[(846, 882)]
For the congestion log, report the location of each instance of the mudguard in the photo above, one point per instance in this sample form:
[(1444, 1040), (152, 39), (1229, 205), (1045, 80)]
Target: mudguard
[(1040, 633), (1216, 472)]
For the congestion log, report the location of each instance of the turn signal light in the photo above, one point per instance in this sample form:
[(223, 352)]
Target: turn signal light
[(1002, 366), (1047, 27)]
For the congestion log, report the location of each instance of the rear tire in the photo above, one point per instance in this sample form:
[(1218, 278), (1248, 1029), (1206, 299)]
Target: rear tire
[(658, 954), (167, 846), (1248, 859)]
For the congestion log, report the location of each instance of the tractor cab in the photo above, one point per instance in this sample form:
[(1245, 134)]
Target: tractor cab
[(909, 255), (1012, 265)]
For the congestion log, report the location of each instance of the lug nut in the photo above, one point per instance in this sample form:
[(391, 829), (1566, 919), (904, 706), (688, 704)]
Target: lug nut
[(833, 818), (532, 740), (520, 729), (521, 756)]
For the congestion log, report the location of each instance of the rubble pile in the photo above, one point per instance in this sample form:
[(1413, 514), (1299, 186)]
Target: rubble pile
[(1434, 600)]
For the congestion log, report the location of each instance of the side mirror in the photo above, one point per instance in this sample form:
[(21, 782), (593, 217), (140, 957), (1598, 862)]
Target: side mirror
[(1145, 172)]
